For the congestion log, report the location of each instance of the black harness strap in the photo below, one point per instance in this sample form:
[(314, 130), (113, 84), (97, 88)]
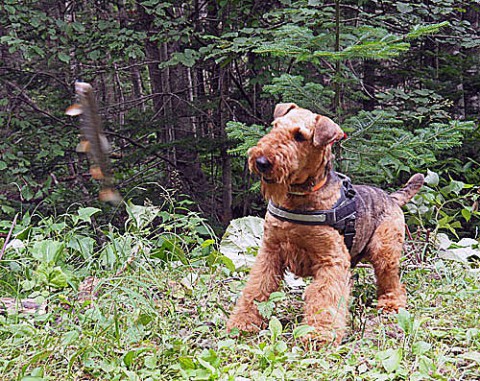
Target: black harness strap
[(341, 217)]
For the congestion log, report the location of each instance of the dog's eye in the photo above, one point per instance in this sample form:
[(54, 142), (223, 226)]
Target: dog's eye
[(298, 136)]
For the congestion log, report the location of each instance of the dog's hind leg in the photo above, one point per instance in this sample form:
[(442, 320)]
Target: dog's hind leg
[(384, 252)]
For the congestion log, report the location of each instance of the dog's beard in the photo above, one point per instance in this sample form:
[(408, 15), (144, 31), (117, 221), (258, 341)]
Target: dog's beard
[(275, 184), (277, 192)]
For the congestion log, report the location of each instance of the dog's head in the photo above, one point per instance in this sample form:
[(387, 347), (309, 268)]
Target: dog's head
[(298, 148)]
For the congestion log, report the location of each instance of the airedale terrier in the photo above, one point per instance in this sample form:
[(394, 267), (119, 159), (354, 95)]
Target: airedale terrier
[(319, 225)]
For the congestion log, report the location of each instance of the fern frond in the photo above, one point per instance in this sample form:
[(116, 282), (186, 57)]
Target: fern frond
[(422, 30), (310, 95), (374, 50), (280, 49), (378, 141), (247, 136)]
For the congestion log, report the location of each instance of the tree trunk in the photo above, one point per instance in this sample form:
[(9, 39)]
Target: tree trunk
[(336, 83), (133, 69), (152, 55), (369, 85), (224, 80), (70, 18), (369, 66)]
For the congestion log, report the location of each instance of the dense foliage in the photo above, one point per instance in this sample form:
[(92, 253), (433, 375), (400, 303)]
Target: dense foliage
[(80, 301)]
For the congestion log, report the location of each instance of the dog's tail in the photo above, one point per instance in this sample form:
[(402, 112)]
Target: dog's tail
[(404, 195)]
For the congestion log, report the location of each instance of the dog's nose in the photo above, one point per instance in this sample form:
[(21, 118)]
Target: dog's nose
[(263, 165)]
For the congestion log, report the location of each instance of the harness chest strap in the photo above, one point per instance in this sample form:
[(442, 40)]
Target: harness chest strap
[(341, 217)]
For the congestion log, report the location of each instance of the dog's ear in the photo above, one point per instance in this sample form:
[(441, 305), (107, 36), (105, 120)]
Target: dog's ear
[(282, 109), (326, 131)]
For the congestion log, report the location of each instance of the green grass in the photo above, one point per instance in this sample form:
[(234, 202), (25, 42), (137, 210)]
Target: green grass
[(162, 316)]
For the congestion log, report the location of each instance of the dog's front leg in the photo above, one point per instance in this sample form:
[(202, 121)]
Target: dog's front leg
[(326, 301), (265, 277)]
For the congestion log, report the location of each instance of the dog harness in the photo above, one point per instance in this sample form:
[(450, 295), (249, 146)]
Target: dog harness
[(341, 217)]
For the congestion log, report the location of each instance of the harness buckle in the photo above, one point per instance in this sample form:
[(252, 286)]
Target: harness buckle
[(349, 231)]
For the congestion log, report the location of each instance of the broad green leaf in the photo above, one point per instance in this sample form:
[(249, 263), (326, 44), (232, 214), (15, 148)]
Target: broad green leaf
[(186, 362), (150, 362), (226, 344), (10, 9), (84, 245), (27, 193), (432, 178), (47, 251), (302, 330), (280, 346), (454, 187), (78, 27), (227, 262), (265, 309), (405, 320), (206, 365), (241, 238), (63, 57), (57, 278), (70, 337), (420, 347), (276, 296), (84, 214), (142, 215), (169, 249), (391, 359), (128, 358), (426, 366), (36, 374), (108, 256), (467, 214), (208, 243), (275, 327)]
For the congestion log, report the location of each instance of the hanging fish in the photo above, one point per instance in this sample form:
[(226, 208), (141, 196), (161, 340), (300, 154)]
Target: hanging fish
[(93, 141)]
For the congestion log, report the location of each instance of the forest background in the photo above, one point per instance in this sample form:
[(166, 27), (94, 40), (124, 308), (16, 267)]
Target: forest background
[(142, 290), (186, 87)]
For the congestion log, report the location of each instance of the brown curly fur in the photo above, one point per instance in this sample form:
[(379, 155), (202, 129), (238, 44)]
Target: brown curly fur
[(296, 155)]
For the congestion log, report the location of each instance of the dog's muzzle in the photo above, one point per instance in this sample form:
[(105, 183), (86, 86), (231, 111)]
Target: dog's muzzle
[(263, 164)]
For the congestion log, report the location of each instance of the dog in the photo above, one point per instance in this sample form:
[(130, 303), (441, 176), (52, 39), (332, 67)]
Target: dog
[(318, 225)]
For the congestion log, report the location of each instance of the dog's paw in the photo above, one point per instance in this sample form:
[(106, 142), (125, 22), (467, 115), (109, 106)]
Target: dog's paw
[(245, 322), (320, 339), (390, 303)]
